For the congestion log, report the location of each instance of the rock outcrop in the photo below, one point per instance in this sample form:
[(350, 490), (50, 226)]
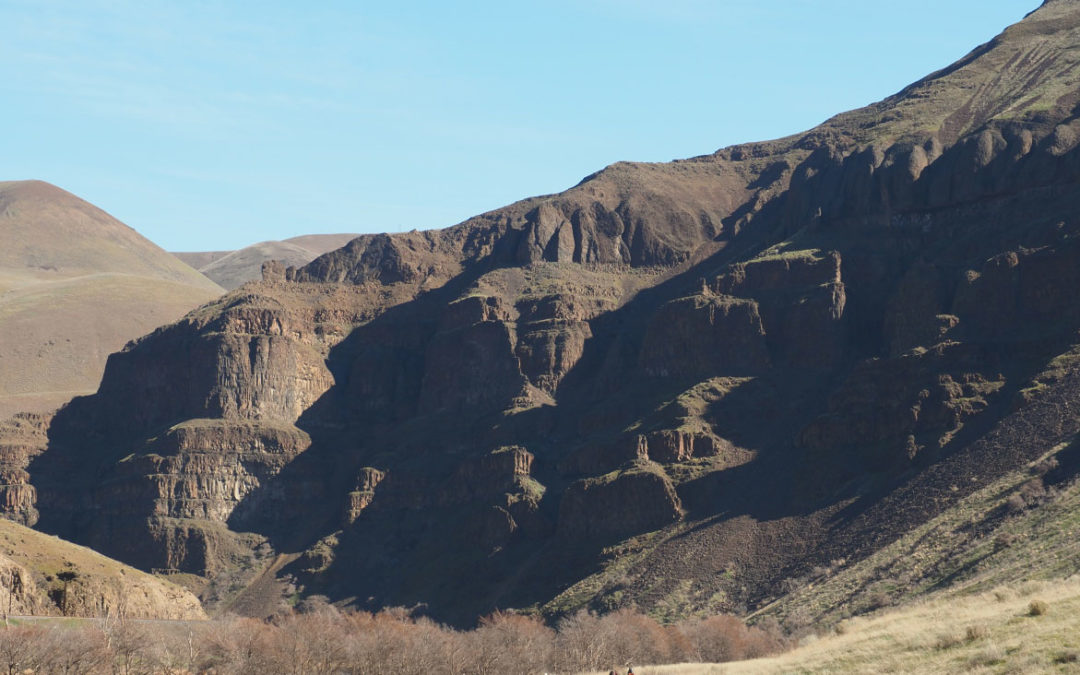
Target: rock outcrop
[(22, 438), (619, 505), (705, 335), (19, 594)]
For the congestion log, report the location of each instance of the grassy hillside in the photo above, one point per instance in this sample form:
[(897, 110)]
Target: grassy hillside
[(76, 285), (1028, 628), (989, 585), (46, 229), (76, 581), (1022, 527), (56, 335), (231, 269)]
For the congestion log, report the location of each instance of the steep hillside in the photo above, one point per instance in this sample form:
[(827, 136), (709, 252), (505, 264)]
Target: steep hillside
[(678, 386), (230, 269), (50, 577), (75, 285), (1029, 628)]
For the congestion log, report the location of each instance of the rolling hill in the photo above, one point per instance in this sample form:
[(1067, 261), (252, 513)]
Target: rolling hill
[(75, 285), (230, 269)]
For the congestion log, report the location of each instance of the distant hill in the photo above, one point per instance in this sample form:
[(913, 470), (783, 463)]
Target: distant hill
[(75, 285), (231, 269)]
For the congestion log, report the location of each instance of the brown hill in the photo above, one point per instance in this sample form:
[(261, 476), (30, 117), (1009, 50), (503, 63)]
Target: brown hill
[(231, 269), (51, 577), (673, 385), (75, 285)]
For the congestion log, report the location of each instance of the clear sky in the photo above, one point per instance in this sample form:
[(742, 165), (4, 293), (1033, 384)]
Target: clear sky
[(214, 125)]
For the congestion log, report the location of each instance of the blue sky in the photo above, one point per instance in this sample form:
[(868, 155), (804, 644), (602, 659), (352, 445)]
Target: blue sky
[(213, 125)]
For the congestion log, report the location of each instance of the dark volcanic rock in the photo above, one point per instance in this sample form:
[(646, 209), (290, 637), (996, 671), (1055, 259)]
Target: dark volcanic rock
[(705, 335), (618, 505)]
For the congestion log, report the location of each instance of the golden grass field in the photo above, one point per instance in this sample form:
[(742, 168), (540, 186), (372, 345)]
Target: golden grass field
[(992, 632), (55, 335)]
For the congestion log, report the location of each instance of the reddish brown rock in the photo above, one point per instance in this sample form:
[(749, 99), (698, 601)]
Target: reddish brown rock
[(619, 504), (801, 300), (22, 438), (705, 335), (672, 445), (874, 288)]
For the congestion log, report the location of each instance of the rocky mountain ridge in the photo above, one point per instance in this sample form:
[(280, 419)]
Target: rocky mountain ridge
[(673, 385)]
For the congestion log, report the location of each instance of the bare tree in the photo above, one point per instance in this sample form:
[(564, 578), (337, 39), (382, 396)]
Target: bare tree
[(75, 651), (506, 642), (582, 643), (129, 645), (21, 648)]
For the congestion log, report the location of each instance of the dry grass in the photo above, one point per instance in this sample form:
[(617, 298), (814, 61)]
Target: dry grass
[(993, 632), (55, 335), (44, 229), (75, 285), (96, 578)]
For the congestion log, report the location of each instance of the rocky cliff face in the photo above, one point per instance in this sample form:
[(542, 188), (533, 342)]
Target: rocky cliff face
[(22, 438), (709, 360)]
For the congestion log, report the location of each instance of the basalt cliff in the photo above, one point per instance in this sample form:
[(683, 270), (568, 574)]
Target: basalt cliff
[(673, 385)]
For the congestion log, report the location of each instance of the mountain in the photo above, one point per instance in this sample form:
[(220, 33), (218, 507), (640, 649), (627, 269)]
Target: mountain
[(681, 386), (231, 269), (75, 285)]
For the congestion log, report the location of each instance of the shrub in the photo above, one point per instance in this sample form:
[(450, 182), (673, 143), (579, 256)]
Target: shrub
[(725, 638), (1004, 594), (976, 632), (503, 642), (991, 655), (1033, 491), (22, 648), (878, 600), (1038, 608), (1015, 504), (1044, 467), (1070, 656), (949, 640), (75, 651), (1005, 540), (326, 640)]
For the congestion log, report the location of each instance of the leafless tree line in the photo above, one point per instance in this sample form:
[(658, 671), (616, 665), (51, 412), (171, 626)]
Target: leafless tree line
[(329, 641)]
